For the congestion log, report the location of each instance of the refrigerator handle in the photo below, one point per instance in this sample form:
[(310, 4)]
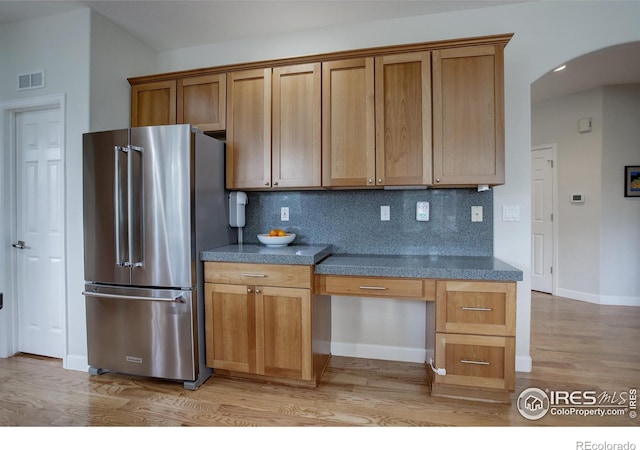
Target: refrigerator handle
[(136, 184), (176, 299), (120, 211)]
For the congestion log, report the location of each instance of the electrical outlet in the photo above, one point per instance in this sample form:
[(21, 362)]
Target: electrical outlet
[(476, 213), (385, 213), (284, 213)]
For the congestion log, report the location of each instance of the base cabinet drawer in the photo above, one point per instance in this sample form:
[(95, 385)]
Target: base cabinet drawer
[(486, 362), (385, 287), (474, 307)]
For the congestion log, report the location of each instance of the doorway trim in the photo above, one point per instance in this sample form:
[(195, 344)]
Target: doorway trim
[(554, 196), (8, 111)]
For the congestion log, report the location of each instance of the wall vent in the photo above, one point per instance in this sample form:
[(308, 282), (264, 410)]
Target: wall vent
[(31, 80)]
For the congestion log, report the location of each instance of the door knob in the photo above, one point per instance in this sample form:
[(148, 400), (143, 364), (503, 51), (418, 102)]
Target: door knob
[(19, 245)]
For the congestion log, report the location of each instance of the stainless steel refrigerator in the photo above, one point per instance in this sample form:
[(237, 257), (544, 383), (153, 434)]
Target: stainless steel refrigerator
[(154, 197)]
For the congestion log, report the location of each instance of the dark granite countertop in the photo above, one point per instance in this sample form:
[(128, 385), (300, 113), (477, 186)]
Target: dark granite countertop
[(440, 267), (403, 266), (261, 254)]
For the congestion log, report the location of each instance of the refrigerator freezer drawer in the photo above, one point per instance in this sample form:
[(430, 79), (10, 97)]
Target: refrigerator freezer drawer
[(147, 332)]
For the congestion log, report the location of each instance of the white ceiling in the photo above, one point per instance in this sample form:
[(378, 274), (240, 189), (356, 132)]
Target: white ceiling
[(171, 24)]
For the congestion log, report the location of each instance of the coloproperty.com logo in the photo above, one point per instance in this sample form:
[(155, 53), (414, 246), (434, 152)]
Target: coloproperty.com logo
[(534, 403)]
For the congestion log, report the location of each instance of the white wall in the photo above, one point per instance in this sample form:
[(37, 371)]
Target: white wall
[(115, 56), (60, 46), (597, 239), (546, 34), (76, 50), (620, 219), (578, 171)]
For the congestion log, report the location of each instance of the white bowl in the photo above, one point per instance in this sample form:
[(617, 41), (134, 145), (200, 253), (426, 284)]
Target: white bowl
[(276, 241)]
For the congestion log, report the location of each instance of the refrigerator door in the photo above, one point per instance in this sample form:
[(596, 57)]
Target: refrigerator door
[(148, 332), (161, 226), (105, 169)]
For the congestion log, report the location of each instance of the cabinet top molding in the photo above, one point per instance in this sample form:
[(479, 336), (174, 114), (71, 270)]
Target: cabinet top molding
[(498, 39)]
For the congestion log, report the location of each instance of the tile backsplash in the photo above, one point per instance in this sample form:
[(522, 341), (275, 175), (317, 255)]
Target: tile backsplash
[(350, 220)]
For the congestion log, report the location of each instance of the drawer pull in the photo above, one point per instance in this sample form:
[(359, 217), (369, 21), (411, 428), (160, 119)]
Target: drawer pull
[(474, 308), (470, 361), (374, 288), (254, 275)]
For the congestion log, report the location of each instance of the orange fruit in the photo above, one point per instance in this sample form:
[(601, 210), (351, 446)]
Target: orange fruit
[(273, 232), (281, 233)]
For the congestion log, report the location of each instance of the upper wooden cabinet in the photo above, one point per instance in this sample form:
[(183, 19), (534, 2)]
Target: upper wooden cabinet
[(153, 103), (273, 132), (468, 116), (426, 114), (348, 123), (377, 121), (249, 129), (403, 119), (295, 141), (202, 101), (199, 101)]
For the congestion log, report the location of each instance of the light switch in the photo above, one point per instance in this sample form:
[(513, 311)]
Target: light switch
[(476, 213), (511, 213), (284, 214), (422, 211)]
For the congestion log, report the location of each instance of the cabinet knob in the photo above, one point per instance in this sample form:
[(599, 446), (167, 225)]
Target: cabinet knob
[(249, 290), (275, 183), (266, 183), (437, 180), (379, 180), (370, 181), (257, 291)]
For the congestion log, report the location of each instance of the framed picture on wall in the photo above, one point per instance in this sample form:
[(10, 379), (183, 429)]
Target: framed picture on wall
[(632, 181)]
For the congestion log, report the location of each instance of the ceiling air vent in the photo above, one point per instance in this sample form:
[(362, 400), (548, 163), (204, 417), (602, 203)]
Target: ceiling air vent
[(31, 80)]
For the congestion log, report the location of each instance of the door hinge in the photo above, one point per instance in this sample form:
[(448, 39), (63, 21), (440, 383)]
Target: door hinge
[(552, 217), (551, 270), (550, 162)]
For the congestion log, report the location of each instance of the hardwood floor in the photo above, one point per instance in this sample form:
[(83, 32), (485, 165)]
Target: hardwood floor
[(574, 346)]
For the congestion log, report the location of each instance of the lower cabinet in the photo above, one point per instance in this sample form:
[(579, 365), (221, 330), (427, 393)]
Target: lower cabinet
[(274, 322), (475, 339), (263, 329)]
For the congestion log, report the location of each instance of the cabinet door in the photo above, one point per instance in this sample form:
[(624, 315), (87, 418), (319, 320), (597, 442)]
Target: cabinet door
[(296, 148), (230, 327), (403, 119), (249, 129), (283, 329), (202, 101), (153, 104), (468, 116), (348, 123)]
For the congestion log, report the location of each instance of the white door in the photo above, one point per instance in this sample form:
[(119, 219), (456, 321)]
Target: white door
[(39, 245), (542, 219)]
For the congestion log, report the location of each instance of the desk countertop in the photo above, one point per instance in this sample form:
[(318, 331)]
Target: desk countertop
[(439, 267)]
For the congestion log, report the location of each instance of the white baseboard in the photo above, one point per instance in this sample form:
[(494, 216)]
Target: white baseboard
[(524, 363), (612, 300), (76, 362), (389, 353)]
